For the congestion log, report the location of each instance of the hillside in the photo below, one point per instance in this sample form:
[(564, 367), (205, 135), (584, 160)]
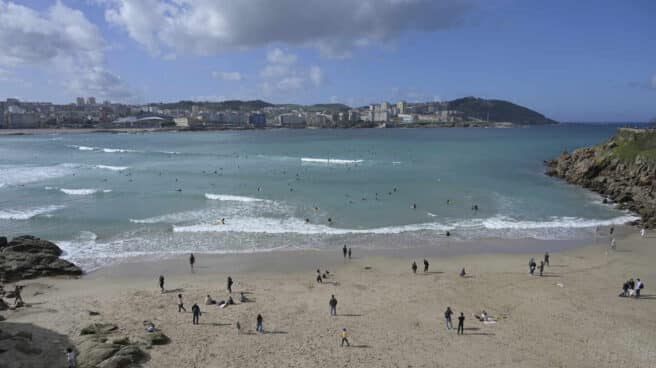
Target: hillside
[(497, 111), (622, 169)]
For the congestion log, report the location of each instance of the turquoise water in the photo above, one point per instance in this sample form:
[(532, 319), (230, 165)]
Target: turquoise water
[(103, 197)]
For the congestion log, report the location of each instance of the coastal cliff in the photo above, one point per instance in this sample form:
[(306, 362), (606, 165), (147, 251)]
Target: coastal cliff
[(622, 169)]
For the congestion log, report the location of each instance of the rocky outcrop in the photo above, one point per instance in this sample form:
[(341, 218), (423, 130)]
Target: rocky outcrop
[(27, 257), (622, 169), (102, 345)]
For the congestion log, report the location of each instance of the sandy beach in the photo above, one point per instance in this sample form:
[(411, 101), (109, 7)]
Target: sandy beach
[(570, 317)]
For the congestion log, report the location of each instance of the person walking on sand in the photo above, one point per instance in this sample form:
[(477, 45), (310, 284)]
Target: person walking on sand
[(319, 278), (344, 335), (345, 251), (259, 327), (613, 244), (447, 318), (161, 283), (192, 260), (195, 310), (461, 324), (425, 265), (238, 325), (643, 232), (414, 267), (230, 284), (546, 258), (181, 304), (349, 254), (531, 266), (541, 267), (611, 231), (333, 305)]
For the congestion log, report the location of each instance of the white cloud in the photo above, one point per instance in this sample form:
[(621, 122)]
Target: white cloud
[(334, 27), (228, 76), (277, 56), (61, 40), (316, 76), (282, 75)]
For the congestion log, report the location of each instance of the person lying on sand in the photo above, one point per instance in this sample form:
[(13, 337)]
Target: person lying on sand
[(484, 317)]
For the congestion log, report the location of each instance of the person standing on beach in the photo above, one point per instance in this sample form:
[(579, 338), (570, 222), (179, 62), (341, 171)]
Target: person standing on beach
[(425, 265), (195, 310), (461, 324), (546, 258), (192, 260), (333, 305), (230, 284), (70, 358), (319, 279), (414, 267), (345, 251), (349, 254), (541, 267), (344, 335), (531, 265), (161, 283), (613, 244), (238, 325), (643, 232), (611, 231), (259, 327), (447, 317), (638, 286), (180, 304)]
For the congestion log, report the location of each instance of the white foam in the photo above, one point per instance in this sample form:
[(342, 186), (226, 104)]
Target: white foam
[(233, 198), (112, 168), (117, 150), (101, 149), (431, 214), (17, 175), (82, 148), (27, 213), (82, 192), (329, 161), (504, 222), (269, 225)]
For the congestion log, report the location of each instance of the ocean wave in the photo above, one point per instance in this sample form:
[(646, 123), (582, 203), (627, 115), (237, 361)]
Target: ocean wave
[(83, 191), (27, 213), (18, 175), (504, 222), (233, 198), (297, 226), (329, 161), (269, 225), (100, 149), (112, 168)]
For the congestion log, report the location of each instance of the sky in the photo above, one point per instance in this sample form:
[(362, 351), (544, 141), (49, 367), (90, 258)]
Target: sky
[(570, 60)]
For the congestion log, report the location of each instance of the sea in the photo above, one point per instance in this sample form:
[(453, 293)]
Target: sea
[(106, 197)]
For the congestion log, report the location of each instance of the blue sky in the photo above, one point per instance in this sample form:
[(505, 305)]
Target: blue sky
[(571, 60)]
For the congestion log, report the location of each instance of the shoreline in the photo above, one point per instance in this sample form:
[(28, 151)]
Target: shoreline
[(280, 259)]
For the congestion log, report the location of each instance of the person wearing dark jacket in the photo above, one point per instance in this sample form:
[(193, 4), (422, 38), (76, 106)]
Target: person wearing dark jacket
[(461, 323), (333, 306), (230, 284), (425, 265), (414, 267), (195, 310)]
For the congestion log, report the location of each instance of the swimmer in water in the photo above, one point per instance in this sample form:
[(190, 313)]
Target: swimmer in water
[(414, 206)]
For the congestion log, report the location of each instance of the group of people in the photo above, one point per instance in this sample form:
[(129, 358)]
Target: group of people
[(461, 321), (346, 252), (532, 265), (632, 288)]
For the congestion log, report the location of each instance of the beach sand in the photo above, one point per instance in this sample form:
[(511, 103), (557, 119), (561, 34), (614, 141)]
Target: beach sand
[(571, 317)]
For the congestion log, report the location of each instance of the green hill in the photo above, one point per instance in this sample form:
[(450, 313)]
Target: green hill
[(497, 111)]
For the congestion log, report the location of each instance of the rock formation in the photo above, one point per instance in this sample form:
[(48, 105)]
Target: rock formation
[(27, 257), (622, 169)]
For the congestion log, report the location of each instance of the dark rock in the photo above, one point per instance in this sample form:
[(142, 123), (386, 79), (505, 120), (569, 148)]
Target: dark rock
[(26, 347), (156, 338), (26, 257)]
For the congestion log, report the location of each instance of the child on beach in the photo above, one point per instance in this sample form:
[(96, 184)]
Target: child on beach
[(161, 283), (344, 335)]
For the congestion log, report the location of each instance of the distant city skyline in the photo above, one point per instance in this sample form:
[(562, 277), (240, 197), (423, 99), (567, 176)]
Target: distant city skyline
[(572, 61)]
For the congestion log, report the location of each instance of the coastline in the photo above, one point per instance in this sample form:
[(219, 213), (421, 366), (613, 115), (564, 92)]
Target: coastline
[(394, 317)]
